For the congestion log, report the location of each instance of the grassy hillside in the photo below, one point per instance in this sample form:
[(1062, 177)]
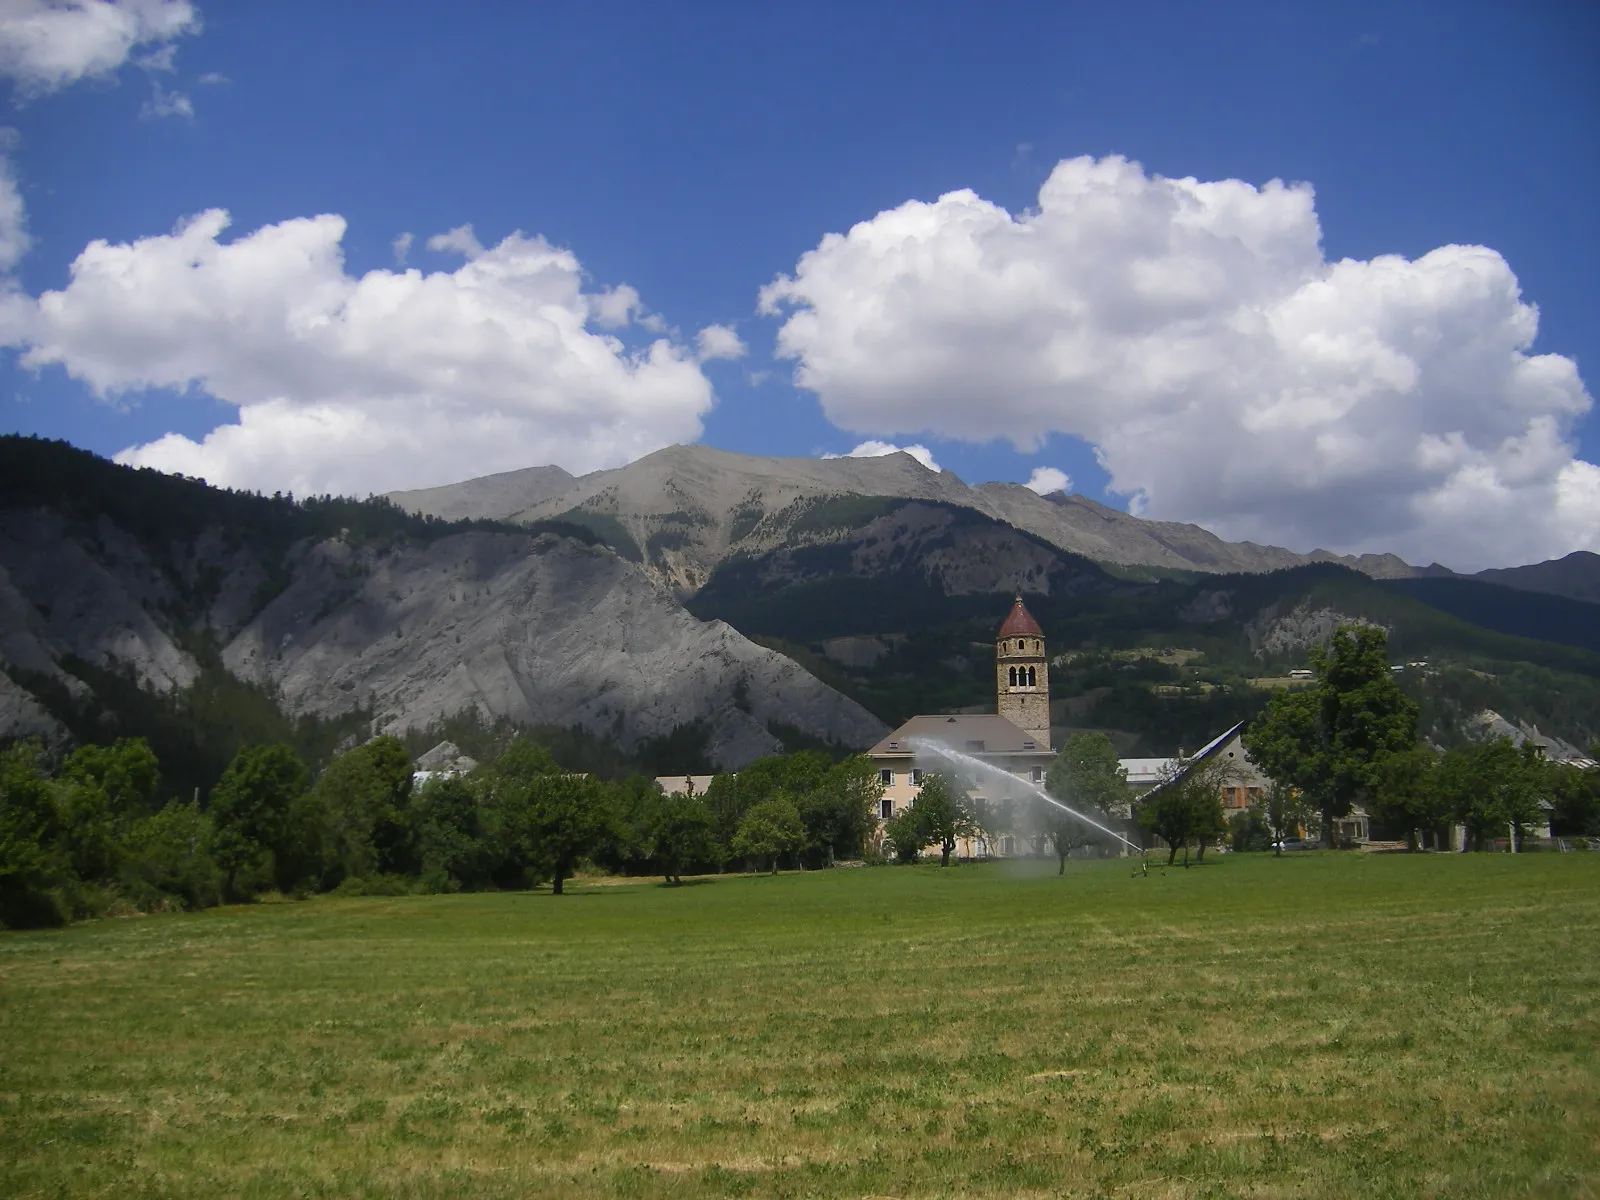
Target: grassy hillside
[(1317, 1026)]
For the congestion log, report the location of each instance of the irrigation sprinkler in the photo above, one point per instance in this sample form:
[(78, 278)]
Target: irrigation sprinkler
[(956, 756)]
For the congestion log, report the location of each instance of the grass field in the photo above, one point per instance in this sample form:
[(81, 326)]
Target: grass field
[(1319, 1025)]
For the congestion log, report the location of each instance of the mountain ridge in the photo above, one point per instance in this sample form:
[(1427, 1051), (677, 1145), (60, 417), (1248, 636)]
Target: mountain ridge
[(702, 504)]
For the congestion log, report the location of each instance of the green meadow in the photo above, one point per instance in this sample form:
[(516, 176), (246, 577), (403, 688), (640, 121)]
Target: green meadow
[(1317, 1025)]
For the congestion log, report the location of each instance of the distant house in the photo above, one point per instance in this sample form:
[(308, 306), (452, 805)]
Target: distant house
[(444, 761), (684, 785), (1248, 786)]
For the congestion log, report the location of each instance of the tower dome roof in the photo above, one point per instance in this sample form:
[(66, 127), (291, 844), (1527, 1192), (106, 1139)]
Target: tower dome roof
[(1019, 622)]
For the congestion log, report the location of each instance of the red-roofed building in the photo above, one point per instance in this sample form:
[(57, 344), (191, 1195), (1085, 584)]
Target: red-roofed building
[(1022, 675), (1014, 741)]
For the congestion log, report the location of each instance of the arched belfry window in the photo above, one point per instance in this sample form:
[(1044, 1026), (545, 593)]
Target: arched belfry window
[(1032, 682), (1021, 645), (1013, 674)]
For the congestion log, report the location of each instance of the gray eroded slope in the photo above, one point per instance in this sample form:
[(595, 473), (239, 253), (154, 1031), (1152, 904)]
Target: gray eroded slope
[(537, 629)]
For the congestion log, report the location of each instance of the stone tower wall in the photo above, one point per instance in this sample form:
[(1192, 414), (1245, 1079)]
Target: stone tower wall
[(1028, 708)]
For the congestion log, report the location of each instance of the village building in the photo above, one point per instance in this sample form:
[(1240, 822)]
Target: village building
[(1245, 787), (1014, 740), (684, 785), (1244, 784), (1247, 784)]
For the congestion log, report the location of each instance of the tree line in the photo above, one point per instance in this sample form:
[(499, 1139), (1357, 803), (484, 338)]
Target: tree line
[(88, 835), (1353, 739)]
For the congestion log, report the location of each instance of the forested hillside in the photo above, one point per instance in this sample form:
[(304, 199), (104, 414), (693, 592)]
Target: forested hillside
[(1160, 662)]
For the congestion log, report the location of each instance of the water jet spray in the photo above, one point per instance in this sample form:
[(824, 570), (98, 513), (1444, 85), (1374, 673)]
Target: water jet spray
[(956, 756)]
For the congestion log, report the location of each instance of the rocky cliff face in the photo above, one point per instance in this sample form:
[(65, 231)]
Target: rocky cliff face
[(542, 630), (1272, 632), (534, 628), (93, 594)]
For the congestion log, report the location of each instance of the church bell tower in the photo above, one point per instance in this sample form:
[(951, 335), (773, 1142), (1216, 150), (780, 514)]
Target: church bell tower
[(1022, 675)]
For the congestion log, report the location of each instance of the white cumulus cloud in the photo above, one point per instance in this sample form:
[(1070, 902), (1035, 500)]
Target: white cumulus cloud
[(720, 341), (874, 449), (48, 44), (364, 383), (163, 103), (14, 239), (1045, 480), (1224, 370)]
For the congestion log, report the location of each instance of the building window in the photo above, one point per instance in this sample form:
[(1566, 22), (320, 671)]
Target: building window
[(1019, 644), (975, 745), (1037, 774), (1011, 675), (885, 809), (885, 776), (1033, 680), (916, 776)]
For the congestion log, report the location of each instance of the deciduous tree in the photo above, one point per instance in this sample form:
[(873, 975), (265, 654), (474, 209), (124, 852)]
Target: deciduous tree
[(1186, 805), (32, 861), (770, 830), (543, 820), (251, 808), (1284, 809), (1575, 795), (1492, 788), (682, 832), (1327, 741), (364, 800), (450, 837), (1248, 831), (1088, 776), (567, 817), (837, 810), (169, 858), (942, 814), (1406, 792), (100, 792)]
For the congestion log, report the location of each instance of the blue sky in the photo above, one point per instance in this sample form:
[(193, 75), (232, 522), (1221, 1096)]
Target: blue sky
[(695, 153)]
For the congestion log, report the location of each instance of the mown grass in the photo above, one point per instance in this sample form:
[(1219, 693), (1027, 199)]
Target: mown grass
[(1311, 1026)]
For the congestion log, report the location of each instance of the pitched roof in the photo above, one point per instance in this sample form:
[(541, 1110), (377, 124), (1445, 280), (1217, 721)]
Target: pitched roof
[(1158, 771), (1019, 622), (996, 735)]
